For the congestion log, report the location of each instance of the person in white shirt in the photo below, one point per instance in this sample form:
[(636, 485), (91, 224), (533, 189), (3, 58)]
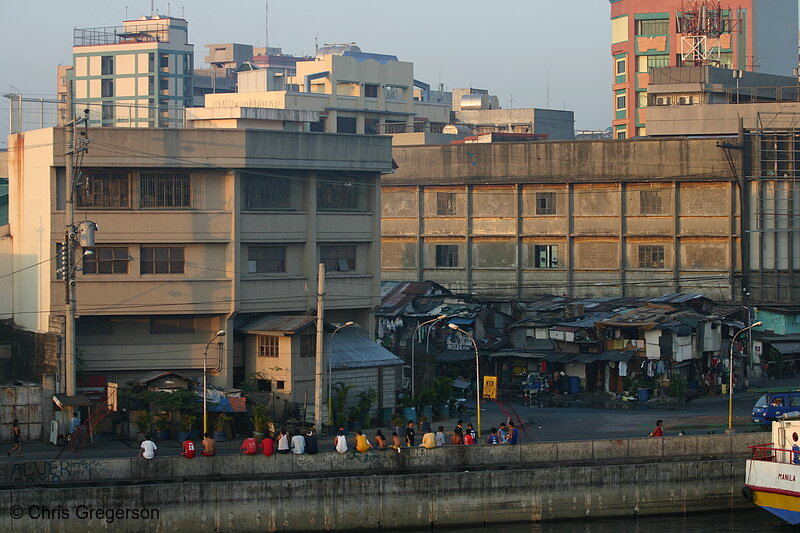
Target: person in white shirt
[(148, 448), (440, 438), (298, 444), (283, 442), (340, 442)]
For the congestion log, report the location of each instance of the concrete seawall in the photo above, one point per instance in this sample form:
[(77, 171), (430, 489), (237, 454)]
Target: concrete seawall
[(416, 488)]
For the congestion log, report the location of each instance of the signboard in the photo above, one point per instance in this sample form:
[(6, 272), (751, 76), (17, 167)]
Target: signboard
[(490, 387)]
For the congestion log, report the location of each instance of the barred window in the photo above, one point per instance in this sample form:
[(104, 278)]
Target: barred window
[(445, 203), (652, 27), (265, 192), (172, 325), (338, 258), (106, 260), (338, 193), (102, 189), (308, 345), (446, 255), (650, 202), (545, 203), (651, 256), (266, 259), (165, 189), (545, 256), (268, 346), (162, 260)]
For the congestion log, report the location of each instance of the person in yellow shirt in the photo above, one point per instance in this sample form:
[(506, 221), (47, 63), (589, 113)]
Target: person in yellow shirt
[(429, 440), (362, 443)]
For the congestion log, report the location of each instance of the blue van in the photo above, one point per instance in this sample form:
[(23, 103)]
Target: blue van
[(773, 404)]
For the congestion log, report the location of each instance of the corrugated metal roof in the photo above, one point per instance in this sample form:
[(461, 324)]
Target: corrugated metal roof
[(277, 323), (676, 297), (352, 348), (397, 295), (786, 348)]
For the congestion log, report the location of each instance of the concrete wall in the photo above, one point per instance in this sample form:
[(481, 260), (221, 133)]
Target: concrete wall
[(385, 489)]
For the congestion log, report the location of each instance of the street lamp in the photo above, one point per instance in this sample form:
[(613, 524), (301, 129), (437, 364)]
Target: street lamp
[(330, 356), (730, 375), (477, 374), (413, 344), (220, 333)]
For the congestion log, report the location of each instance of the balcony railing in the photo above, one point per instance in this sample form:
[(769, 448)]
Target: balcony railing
[(770, 454), (139, 33)]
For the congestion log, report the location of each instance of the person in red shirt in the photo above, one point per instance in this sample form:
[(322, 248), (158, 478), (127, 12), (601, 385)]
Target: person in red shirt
[(249, 446), (267, 446), (658, 431), (188, 449)]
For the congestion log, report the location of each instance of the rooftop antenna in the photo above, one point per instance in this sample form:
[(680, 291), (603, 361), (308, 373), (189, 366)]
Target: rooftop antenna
[(511, 102), (316, 44), (168, 6), (548, 90), (182, 15), (152, 8), (126, 12), (266, 28)]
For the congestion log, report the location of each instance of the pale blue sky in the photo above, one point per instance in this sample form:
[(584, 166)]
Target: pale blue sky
[(509, 47)]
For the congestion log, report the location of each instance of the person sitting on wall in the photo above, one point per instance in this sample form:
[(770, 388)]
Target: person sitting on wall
[(380, 440), (188, 449), (209, 446), (249, 446), (362, 442), (658, 431), (458, 437), (395, 445), (298, 444), (428, 440), (311, 443), (283, 442), (268, 446), (340, 442)]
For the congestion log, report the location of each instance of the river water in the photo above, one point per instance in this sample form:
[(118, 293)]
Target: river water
[(748, 521)]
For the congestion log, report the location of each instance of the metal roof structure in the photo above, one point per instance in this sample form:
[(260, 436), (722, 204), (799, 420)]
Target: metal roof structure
[(397, 296), (277, 323), (352, 348)]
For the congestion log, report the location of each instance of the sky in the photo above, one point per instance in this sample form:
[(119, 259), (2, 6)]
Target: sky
[(529, 53)]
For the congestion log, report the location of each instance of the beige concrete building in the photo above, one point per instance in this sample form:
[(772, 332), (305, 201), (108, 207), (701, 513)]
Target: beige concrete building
[(138, 74), (595, 218), (354, 92), (200, 230)]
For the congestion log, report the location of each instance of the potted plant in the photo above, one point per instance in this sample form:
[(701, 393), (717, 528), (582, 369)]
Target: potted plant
[(187, 428), (353, 419), (365, 400), (443, 387), (397, 422), (340, 391), (409, 409), (162, 426), (142, 422), (260, 421), (425, 400), (219, 426)]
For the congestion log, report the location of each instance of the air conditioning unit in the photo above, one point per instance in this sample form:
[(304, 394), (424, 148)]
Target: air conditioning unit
[(662, 100), (684, 100)]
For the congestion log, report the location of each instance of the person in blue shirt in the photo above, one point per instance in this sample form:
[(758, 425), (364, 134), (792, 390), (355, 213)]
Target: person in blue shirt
[(493, 438), (502, 433), (513, 434)]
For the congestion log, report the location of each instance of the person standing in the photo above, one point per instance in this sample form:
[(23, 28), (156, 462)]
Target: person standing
[(283, 442), (148, 448), (17, 435), (188, 449), (472, 433), (298, 444), (658, 431), (249, 446), (493, 437), (440, 437), (513, 433), (340, 442), (410, 434), (502, 433), (311, 443), (74, 422), (209, 446)]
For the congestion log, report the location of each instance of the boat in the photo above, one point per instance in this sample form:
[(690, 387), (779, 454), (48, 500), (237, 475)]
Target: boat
[(772, 475)]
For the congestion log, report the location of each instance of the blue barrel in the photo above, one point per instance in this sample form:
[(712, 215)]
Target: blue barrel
[(644, 395), (574, 384), (409, 413)]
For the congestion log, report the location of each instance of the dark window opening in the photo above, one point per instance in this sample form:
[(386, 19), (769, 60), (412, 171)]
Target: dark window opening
[(263, 259), (338, 193), (345, 125), (102, 189), (446, 255), (265, 192), (338, 258), (268, 346), (445, 203), (651, 256), (545, 203), (308, 345), (106, 260), (178, 325), (370, 90), (165, 189), (545, 256), (162, 260)]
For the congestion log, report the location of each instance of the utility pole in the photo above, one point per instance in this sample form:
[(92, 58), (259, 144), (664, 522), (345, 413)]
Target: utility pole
[(320, 352), (70, 242)]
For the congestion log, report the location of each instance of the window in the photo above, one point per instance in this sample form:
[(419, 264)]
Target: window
[(107, 111), (102, 189), (620, 66), (651, 256), (107, 65), (265, 192), (150, 62), (649, 202), (163, 84), (371, 126), (151, 88), (622, 134), (338, 193), (268, 346), (338, 258), (162, 260), (446, 255), (652, 27), (545, 203), (262, 259), (172, 325), (163, 61), (308, 345), (106, 88), (106, 260), (620, 102), (60, 261), (280, 384), (345, 125), (93, 325), (545, 256), (164, 189), (648, 62), (370, 90), (445, 203), (642, 96)]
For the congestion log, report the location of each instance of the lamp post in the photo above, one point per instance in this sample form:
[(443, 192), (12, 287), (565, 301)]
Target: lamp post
[(330, 366), (413, 344), (477, 374), (730, 375), (220, 333)]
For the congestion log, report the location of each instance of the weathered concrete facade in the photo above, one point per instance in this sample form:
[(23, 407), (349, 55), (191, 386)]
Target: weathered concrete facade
[(553, 480), (586, 218)]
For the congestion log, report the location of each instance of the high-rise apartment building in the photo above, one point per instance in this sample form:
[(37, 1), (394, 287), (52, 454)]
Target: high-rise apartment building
[(754, 35), (138, 74)]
